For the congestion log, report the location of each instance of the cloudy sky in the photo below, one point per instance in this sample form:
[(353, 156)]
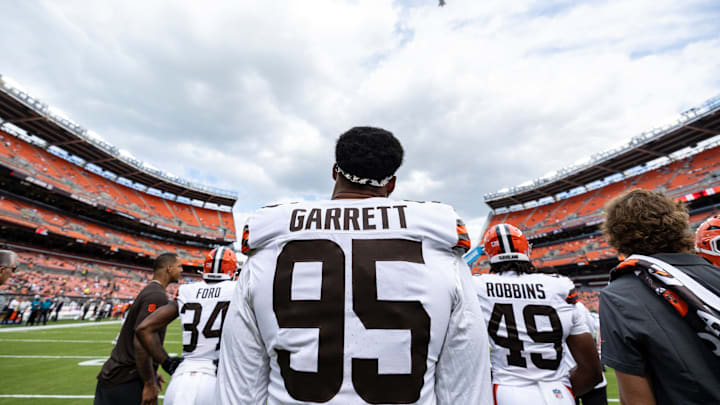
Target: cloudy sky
[(251, 95)]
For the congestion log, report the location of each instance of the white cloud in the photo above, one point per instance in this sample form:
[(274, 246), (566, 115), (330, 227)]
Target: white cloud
[(251, 95), (418, 185)]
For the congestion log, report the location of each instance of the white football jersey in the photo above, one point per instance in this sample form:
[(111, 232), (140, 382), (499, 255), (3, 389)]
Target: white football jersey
[(593, 324), (202, 307), (529, 317), (354, 302)]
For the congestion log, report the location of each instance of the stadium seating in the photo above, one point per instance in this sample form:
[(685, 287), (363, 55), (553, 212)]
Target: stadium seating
[(591, 299), (52, 274), (43, 221), (20, 155), (580, 251), (602, 197), (680, 177)]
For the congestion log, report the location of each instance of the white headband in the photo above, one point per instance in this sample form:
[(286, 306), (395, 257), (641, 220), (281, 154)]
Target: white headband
[(360, 180)]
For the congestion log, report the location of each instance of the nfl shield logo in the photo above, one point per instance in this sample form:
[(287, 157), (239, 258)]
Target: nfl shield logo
[(558, 393)]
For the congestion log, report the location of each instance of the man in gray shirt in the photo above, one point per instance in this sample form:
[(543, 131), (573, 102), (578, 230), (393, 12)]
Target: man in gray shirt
[(658, 358)]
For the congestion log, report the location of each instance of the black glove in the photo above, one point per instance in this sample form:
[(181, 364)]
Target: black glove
[(171, 364)]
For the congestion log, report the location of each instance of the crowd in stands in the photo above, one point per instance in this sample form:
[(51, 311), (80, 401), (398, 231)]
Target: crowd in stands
[(56, 275), (590, 298), (82, 286), (33, 160), (32, 311), (579, 251), (73, 287)]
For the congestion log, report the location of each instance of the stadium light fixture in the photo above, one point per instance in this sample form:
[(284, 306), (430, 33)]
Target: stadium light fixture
[(58, 113), (8, 82), (94, 135), (583, 160), (126, 154)]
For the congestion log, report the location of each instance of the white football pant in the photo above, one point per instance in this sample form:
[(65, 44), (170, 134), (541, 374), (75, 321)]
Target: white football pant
[(539, 393), (191, 388)]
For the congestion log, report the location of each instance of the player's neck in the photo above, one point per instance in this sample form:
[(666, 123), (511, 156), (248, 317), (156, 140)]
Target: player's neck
[(163, 281), (352, 196), (347, 191)]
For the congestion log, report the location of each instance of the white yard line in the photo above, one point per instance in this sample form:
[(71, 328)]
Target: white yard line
[(37, 356), (55, 396), (42, 356), (56, 341), (71, 325), (92, 396), (68, 341), (49, 396)]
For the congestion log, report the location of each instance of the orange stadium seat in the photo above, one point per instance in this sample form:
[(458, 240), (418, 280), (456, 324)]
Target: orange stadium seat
[(539, 215), (36, 217), (208, 218), (185, 214), (65, 175), (497, 219), (603, 196), (229, 224), (653, 179), (570, 207), (684, 176)]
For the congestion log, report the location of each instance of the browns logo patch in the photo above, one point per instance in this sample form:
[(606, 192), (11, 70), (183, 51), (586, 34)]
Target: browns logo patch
[(152, 307)]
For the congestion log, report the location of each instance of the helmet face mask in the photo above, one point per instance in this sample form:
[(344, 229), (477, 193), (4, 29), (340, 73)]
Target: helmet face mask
[(707, 240), (715, 244)]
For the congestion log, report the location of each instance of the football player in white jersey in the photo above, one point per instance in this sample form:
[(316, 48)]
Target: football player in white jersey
[(598, 395), (529, 317), (202, 308), (360, 299)]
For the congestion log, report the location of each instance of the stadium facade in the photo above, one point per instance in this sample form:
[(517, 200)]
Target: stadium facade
[(74, 205), (561, 213)]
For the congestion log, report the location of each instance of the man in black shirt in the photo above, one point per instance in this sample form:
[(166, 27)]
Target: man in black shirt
[(129, 377), (657, 356)]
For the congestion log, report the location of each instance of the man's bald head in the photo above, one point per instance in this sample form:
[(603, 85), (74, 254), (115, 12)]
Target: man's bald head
[(8, 264)]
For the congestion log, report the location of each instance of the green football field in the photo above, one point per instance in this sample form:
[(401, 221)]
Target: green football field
[(58, 366)]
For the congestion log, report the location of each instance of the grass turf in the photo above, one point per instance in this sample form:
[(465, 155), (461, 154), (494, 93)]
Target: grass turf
[(64, 376)]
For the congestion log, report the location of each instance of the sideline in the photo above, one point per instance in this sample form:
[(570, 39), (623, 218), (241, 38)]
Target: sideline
[(56, 396), (38, 356), (43, 356), (109, 341), (92, 396), (71, 325)]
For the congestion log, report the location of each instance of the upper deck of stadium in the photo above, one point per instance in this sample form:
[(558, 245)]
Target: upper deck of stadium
[(688, 130), (30, 114), (561, 213)]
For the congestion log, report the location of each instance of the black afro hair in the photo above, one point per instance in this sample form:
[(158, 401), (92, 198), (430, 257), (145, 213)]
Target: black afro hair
[(369, 152)]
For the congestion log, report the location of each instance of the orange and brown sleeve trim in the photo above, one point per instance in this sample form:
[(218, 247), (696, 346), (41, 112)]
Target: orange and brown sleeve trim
[(245, 245), (463, 237)]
